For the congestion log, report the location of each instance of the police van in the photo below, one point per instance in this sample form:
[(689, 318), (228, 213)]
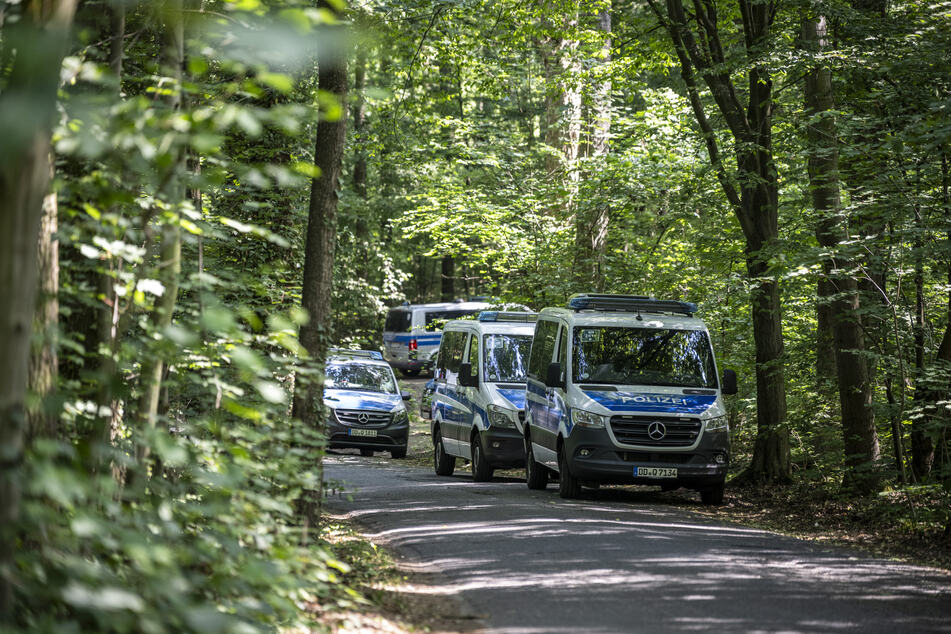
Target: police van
[(479, 393), (412, 332), (623, 389), (367, 409)]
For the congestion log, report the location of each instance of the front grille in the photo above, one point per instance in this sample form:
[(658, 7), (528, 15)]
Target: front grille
[(634, 430), (353, 417)]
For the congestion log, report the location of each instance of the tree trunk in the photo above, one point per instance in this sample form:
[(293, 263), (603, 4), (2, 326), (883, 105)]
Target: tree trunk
[(40, 37), (318, 266), (757, 201), (44, 357), (170, 249), (855, 389), (448, 279)]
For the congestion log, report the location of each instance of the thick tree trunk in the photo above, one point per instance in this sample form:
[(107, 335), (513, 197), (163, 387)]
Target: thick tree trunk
[(318, 266), (170, 249), (757, 201), (855, 389), (40, 37)]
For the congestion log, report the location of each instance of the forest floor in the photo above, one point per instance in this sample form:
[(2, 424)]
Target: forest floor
[(896, 525)]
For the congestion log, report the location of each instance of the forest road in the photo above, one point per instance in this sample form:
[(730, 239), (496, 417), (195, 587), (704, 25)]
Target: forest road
[(621, 560)]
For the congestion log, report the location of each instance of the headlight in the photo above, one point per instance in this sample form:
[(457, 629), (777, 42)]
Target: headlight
[(400, 417), (718, 424), (587, 419), (501, 416)]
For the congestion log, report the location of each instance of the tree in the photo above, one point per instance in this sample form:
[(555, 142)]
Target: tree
[(855, 389), (319, 250), (752, 193), (33, 50)]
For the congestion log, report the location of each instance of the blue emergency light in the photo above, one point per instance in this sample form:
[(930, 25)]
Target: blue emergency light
[(630, 304)]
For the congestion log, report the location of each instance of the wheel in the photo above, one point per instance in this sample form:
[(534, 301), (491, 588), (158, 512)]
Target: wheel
[(366, 452), (443, 463), (569, 487), (536, 476), (713, 496), (481, 469), (398, 454)]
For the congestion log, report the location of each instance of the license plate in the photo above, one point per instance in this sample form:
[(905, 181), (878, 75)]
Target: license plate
[(362, 432), (654, 472)]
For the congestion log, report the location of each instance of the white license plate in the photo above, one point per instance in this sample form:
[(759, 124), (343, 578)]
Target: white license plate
[(654, 472), (362, 432)]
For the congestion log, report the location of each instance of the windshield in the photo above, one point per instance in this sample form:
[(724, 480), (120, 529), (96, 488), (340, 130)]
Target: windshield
[(643, 356), (505, 357), (367, 378), (398, 320)]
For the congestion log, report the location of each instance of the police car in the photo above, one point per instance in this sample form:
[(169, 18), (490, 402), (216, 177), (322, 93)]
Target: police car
[(623, 389), (367, 410), (479, 392)]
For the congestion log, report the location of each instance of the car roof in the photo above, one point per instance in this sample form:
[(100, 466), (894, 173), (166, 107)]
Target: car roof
[(619, 319), (491, 327)]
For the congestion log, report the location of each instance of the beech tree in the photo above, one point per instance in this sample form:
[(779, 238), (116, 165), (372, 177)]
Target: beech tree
[(753, 190)]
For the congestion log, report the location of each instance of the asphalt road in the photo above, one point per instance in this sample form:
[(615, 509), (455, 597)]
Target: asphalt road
[(622, 560)]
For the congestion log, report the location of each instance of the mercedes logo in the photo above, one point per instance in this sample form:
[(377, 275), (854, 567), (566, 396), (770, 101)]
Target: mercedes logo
[(364, 418), (656, 430)]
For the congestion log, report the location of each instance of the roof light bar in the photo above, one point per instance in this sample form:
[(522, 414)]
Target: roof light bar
[(355, 354), (510, 316), (630, 304)]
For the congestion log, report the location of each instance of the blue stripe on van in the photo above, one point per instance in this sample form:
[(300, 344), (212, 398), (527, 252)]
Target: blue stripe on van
[(420, 339), (647, 402)]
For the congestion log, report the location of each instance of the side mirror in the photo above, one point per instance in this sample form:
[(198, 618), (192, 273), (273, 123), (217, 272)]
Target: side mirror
[(553, 376), (466, 376), (728, 384), (406, 396)]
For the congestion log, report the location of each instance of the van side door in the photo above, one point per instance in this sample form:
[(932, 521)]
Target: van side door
[(543, 428)]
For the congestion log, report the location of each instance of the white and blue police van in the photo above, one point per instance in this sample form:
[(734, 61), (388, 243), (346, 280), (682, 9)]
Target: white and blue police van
[(479, 394), (623, 389), (367, 409), (412, 332)]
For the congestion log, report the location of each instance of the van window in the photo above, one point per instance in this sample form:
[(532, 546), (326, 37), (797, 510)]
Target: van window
[(398, 320), (642, 356), (474, 354), (506, 357), (543, 346), (436, 319), (452, 355)]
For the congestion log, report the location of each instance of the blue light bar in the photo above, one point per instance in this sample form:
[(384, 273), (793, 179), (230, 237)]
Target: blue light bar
[(355, 354), (508, 316), (630, 304)]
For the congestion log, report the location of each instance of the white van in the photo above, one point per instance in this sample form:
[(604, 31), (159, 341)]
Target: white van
[(479, 395), (412, 332), (623, 389)]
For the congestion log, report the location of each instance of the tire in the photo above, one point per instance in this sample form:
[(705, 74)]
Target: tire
[(366, 453), (713, 496), (536, 476), (481, 469), (569, 487), (398, 454), (443, 463), (411, 373)]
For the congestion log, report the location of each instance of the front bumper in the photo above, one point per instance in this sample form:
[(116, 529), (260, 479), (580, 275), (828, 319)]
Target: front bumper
[(503, 447), (389, 436), (606, 463)]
